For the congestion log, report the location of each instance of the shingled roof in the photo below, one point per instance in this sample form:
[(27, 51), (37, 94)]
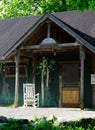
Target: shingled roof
[(82, 24)]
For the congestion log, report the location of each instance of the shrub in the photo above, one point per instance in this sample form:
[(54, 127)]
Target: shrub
[(47, 124)]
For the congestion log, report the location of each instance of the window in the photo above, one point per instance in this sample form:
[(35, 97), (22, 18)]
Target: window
[(70, 74), (10, 70)]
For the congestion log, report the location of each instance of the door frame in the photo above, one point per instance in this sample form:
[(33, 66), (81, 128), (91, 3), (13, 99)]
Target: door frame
[(60, 81)]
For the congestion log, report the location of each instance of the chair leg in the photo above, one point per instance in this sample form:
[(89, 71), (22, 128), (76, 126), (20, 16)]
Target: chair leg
[(25, 104)]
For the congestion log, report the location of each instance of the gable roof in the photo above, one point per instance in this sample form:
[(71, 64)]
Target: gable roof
[(81, 22), (78, 24), (12, 30)]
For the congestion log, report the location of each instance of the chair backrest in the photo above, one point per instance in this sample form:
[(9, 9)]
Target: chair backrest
[(29, 90)]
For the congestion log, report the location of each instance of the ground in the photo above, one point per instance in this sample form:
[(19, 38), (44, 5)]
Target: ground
[(63, 114)]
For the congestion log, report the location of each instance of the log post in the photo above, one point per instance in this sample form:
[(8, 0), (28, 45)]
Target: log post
[(82, 58), (34, 68), (34, 63), (60, 91), (17, 57)]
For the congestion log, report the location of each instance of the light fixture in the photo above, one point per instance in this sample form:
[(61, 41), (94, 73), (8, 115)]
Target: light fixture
[(48, 42)]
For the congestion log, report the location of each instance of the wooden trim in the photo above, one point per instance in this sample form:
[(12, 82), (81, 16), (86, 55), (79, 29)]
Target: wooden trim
[(70, 62), (93, 86), (34, 68), (73, 89), (93, 63), (72, 33), (58, 46), (56, 21), (9, 68), (72, 105), (61, 89)]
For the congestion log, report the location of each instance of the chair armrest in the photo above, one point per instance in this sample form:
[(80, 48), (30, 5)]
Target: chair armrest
[(37, 95)]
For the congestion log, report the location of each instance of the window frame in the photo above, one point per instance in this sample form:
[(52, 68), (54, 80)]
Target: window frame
[(8, 70)]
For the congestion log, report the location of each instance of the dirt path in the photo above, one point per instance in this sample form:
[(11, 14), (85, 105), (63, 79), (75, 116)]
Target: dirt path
[(63, 114)]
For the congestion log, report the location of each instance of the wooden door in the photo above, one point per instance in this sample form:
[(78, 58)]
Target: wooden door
[(70, 84)]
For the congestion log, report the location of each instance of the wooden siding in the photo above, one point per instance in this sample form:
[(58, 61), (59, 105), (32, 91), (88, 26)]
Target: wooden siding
[(70, 96)]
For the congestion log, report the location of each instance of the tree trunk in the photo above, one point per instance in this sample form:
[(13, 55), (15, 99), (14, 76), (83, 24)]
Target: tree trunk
[(42, 81), (47, 78), (64, 5)]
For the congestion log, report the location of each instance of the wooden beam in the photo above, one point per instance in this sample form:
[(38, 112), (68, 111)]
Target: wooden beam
[(17, 57), (58, 46), (30, 47), (68, 44), (82, 57)]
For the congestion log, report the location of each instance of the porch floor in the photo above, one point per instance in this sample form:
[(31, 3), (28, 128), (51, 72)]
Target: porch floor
[(63, 114)]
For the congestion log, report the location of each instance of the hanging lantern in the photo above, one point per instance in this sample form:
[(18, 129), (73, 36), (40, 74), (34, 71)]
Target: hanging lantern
[(48, 42)]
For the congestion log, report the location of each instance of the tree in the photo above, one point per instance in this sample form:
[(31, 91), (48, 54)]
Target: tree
[(78, 4), (51, 6), (18, 8), (44, 68)]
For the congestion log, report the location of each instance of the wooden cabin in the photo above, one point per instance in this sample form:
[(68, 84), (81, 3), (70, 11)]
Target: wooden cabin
[(71, 82)]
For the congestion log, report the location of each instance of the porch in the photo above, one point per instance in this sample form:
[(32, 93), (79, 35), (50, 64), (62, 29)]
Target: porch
[(69, 84)]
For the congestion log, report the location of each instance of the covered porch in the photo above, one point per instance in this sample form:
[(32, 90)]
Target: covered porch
[(67, 83)]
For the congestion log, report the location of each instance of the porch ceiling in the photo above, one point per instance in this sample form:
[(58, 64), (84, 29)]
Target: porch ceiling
[(29, 51), (32, 30), (61, 48), (40, 33), (61, 32)]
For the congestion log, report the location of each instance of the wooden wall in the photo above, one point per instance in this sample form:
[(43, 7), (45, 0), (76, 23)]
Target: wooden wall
[(93, 86)]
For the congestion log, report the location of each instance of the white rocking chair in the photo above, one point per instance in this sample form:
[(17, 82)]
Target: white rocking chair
[(30, 98)]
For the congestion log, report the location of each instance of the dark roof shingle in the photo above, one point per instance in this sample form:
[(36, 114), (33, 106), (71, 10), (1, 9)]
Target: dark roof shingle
[(12, 30)]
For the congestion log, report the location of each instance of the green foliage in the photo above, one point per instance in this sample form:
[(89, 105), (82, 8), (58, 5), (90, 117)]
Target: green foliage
[(50, 123), (44, 68), (47, 124), (13, 124), (18, 8), (2, 67), (78, 4), (51, 6), (48, 63)]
